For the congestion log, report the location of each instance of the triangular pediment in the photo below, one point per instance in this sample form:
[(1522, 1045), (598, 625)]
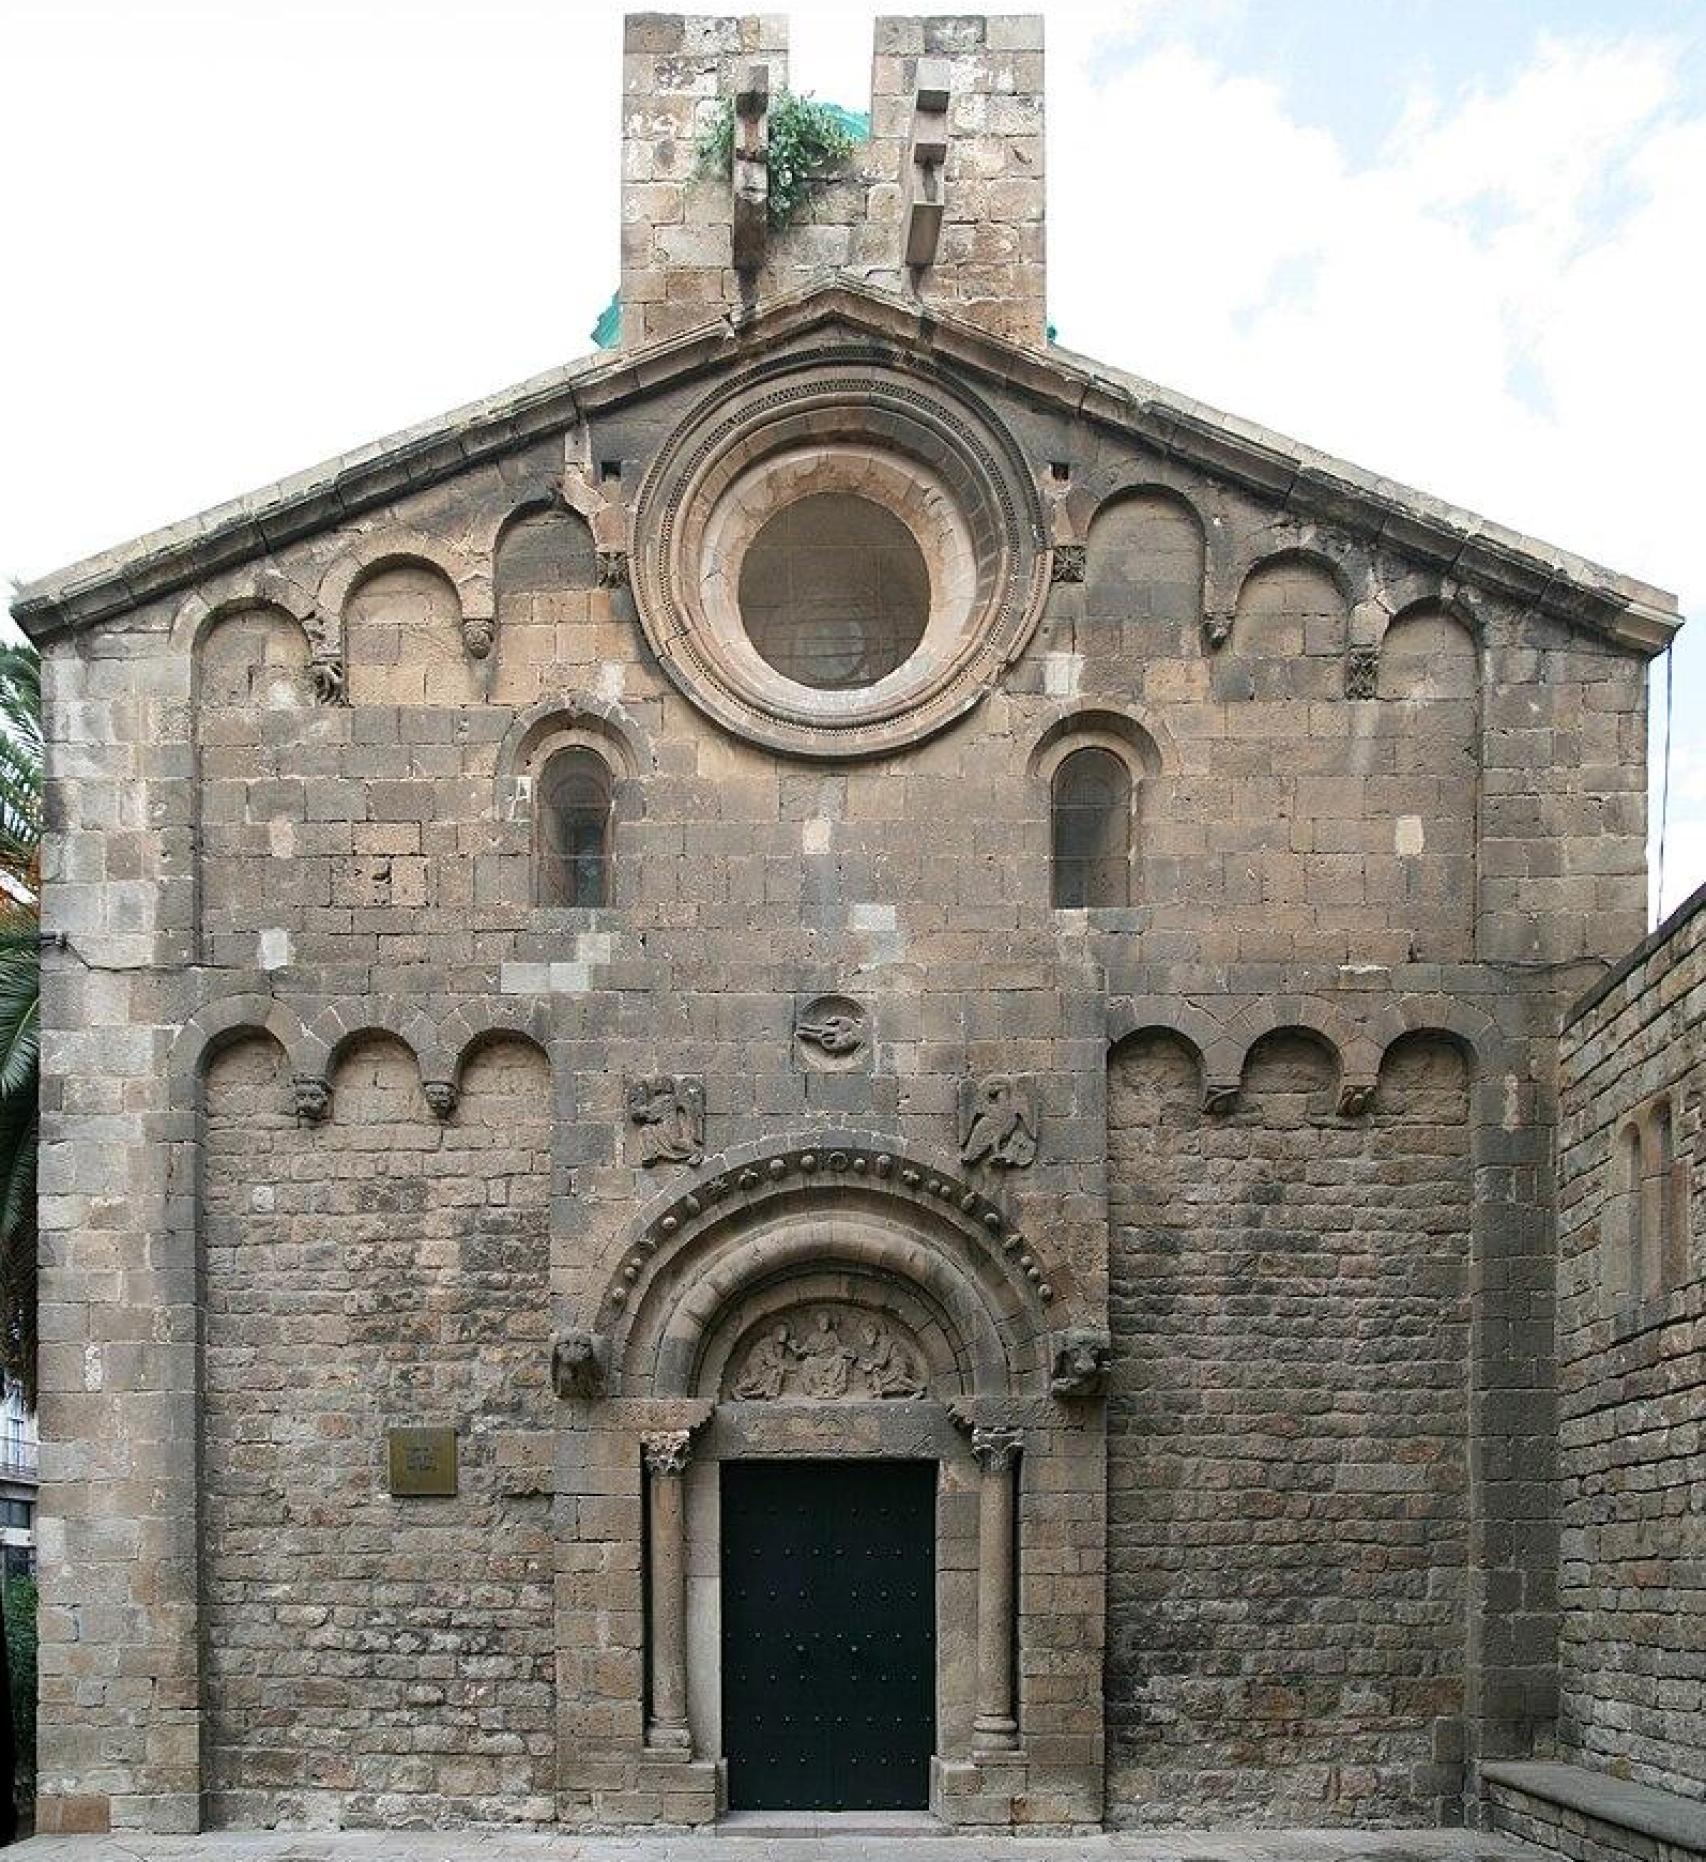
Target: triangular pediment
[(1298, 481)]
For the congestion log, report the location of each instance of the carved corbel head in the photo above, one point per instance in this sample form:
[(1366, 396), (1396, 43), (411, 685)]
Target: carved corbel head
[(313, 1098), (1081, 1359), (477, 636), (1216, 631), (1356, 1098), (441, 1097), (326, 677), (579, 1361)]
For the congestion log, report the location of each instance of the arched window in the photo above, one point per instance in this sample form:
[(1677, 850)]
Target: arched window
[(1630, 1272), (1091, 812), (572, 851)]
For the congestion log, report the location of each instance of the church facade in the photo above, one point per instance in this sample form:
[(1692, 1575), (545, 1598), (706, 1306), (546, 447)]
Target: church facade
[(816, 1067)]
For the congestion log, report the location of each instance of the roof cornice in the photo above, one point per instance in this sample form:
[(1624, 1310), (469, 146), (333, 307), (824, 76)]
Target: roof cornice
[(1305, 483)]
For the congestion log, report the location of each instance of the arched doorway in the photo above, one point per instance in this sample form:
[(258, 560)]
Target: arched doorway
[(834, 1371)]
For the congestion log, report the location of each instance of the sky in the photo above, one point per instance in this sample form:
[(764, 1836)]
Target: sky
[(1460, 242)]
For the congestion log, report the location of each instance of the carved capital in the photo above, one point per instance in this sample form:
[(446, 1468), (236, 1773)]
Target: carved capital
[(996, 1450), (313, 1098), (579, 1364), (1362, 672), (612, 568), (667, 1451), (1067, 563), (441, 1097)]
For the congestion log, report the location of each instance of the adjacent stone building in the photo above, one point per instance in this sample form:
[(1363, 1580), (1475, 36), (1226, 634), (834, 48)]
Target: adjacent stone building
[(816, 1066)]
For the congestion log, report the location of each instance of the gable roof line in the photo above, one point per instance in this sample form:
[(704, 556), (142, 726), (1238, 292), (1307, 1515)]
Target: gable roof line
[(1306, 483)]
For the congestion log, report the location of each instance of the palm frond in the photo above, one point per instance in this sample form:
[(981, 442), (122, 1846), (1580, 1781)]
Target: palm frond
[(20, 1020)]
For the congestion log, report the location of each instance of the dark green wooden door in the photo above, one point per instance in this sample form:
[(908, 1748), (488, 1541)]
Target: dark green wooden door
[(829, 1633)]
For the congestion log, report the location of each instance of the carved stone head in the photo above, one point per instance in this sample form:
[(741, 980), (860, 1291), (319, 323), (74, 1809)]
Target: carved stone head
[(477, 637), (440, 1097), (1081, 1358), (578, 1362), (313, 1099)]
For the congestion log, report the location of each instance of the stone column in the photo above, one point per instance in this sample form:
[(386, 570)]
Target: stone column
[(666, 1469), (996, 1729)]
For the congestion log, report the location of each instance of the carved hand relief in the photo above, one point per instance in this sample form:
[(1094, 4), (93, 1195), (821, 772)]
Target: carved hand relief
[(839, 1354), (998, 1120), (669, 1109), (831, 1030)]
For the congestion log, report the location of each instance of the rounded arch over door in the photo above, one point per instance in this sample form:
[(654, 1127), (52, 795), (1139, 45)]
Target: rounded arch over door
[(872, 1217)]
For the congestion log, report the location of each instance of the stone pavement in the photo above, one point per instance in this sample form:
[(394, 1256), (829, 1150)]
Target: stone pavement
[(736, 1843)]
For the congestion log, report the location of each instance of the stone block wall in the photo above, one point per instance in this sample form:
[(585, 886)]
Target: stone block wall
[(258, 882), (1288, 1474), (1632, 1364)]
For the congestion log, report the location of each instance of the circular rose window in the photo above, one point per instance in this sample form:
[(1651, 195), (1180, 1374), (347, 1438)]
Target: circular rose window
[(834, 592), (836, 558)]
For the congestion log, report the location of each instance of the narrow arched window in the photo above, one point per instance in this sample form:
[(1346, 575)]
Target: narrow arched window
[(1091, 810), (572, 857), (1630, 1225), (1667, 1259)]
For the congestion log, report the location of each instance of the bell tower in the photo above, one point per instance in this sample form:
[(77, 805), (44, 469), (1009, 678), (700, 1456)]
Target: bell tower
[(942, 198)]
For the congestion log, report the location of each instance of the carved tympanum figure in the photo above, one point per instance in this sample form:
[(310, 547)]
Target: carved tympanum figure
[(891, 1369), (765, 1373), (819, 1368), (998, 1120), (825, 1363), (669, 1109)]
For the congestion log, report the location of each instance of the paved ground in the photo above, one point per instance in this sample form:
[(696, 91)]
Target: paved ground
[(493, 1845)]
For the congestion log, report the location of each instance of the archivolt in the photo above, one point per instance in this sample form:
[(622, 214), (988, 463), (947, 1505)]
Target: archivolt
[(835, 1198)]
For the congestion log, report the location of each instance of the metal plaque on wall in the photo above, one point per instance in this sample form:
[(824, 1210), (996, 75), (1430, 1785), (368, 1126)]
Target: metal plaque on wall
[(422, 1461)]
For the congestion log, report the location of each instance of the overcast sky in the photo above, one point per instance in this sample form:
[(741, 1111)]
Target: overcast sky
[(1462, 242)]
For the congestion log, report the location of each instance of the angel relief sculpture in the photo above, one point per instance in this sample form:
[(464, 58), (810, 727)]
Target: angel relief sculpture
[(820, 1367)]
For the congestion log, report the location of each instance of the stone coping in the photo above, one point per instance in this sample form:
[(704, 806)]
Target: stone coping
[(1591, 997), (1661, 1815), (1303, 480)]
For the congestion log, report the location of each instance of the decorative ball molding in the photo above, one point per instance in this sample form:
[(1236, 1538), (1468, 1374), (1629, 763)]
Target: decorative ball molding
[(839, 420), (839, 1158)]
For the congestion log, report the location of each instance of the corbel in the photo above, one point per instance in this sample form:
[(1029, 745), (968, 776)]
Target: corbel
[(751, 175), (929, 155)]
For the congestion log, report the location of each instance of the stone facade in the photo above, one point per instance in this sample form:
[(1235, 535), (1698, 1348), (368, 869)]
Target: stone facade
[(1632, 1364), (1201, 1238)]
